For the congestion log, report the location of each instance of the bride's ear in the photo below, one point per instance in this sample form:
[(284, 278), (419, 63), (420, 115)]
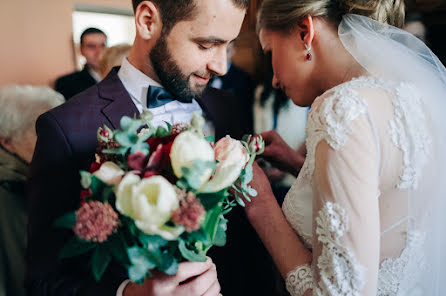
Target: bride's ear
[(306, 30)]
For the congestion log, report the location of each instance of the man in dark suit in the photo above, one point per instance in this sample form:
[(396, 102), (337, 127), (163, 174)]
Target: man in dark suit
[(179, 46), (93, 42)]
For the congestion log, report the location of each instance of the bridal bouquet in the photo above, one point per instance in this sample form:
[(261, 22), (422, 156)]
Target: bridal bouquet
[(155, 197)]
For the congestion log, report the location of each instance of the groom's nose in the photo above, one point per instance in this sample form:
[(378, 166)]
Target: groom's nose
[(219, 62)]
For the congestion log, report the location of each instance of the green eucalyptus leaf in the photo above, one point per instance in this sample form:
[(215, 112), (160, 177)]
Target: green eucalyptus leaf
[(151, 242), (66, 221), (138, 273), (246, 197), (247, 177), (211, 221), (193, 174), (75, 247), (211, 200), (170, 264), (141, 264), (85, 179), (182, 183), (252, 191), (220, 236), (97, 188), (116, 151), (100, 261), (125, 122), (239, 201), (210, 139), (140, 147), (191, 255)]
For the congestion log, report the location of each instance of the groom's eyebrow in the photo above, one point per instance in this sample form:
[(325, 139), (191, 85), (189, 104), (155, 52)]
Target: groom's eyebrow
[(210, 39)]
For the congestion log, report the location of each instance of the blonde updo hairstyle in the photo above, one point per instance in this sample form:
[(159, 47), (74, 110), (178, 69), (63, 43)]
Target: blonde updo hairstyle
[(284, 15)]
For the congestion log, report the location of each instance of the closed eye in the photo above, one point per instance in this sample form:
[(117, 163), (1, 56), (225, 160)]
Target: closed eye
[(204, 47)]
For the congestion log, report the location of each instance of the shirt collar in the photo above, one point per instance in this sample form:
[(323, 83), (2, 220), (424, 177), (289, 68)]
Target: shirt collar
[(135, 82)]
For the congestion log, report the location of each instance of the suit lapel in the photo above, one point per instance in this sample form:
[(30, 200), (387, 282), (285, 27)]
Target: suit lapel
[(120, 103)]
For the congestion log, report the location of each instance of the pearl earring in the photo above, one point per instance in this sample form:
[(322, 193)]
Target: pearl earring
[(309, 56)]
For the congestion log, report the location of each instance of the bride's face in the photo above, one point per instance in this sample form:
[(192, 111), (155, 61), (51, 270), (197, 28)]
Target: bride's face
[(292, 71)]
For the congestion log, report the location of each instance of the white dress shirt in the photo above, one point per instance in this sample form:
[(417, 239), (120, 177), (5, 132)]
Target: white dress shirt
[(137, 85)]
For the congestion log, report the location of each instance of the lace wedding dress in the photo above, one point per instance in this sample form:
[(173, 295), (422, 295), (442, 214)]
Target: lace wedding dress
[(368, 146)]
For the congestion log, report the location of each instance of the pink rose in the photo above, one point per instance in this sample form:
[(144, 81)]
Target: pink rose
[(232, 158)]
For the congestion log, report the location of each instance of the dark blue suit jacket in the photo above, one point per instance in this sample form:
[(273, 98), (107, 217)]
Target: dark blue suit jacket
[(66, 144)]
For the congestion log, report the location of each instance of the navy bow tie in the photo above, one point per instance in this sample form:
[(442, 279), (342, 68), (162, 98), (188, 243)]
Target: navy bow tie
[(158, 96)]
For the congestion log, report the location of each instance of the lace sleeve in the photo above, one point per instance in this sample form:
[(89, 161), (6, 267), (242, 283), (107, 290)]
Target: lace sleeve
[(344, 177)]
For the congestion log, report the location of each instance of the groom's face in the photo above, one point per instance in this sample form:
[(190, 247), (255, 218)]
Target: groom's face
[(195, 50)]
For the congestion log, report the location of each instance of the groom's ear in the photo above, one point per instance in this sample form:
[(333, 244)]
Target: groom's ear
[(306, 30), (148, 20)]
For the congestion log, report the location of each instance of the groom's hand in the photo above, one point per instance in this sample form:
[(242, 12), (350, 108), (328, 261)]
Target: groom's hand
[(192, 279)]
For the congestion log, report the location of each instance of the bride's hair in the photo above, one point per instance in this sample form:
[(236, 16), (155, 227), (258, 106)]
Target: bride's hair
[(283, 15)]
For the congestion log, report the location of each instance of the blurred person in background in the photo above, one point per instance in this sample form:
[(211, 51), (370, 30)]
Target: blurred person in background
[(93, 42), (21, 105), (239, 83), (112, 57), (414, 24)]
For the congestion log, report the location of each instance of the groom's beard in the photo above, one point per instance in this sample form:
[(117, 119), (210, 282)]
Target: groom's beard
[(170, 74)]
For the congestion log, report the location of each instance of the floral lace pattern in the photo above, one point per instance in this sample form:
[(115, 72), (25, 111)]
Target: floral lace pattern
[(340, 274), (409, 133), (339, 271), (299, 280), (330, 123), (394, 270)]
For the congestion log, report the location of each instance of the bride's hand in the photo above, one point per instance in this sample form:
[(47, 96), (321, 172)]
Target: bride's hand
[(261, 184), (280, 154)]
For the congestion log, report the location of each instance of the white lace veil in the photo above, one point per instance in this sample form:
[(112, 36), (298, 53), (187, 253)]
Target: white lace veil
[(390, 53)]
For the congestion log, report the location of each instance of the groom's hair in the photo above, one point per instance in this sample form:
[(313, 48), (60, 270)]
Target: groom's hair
[(173, 11)]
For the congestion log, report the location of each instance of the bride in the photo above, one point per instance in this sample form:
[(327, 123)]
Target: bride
[(367, 206)]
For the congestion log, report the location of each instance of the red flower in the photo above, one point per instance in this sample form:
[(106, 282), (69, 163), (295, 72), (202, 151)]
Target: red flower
[(137, 161), (94, 167), (148, 174), (154, 142), (84, 194)]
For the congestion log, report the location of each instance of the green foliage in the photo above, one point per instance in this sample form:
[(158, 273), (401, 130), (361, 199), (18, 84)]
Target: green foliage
[(141, 263), (191, 253), (85, 179), (192, 175), (75, 247), (66, 221), (100, 190), (211, 200), (161, 132), (99, 261), (220, 236)]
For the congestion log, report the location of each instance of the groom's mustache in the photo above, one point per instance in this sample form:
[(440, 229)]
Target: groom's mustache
[(206, 75)]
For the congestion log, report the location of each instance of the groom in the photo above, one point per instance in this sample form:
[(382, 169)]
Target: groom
[(179, 46)]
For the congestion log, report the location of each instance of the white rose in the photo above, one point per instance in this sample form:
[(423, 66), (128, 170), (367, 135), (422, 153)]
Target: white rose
[(149, 202), (110, 173), (188, 147), (232, 158)]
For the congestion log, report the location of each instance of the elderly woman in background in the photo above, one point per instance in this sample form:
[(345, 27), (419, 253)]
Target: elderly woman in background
[(20, 107)]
